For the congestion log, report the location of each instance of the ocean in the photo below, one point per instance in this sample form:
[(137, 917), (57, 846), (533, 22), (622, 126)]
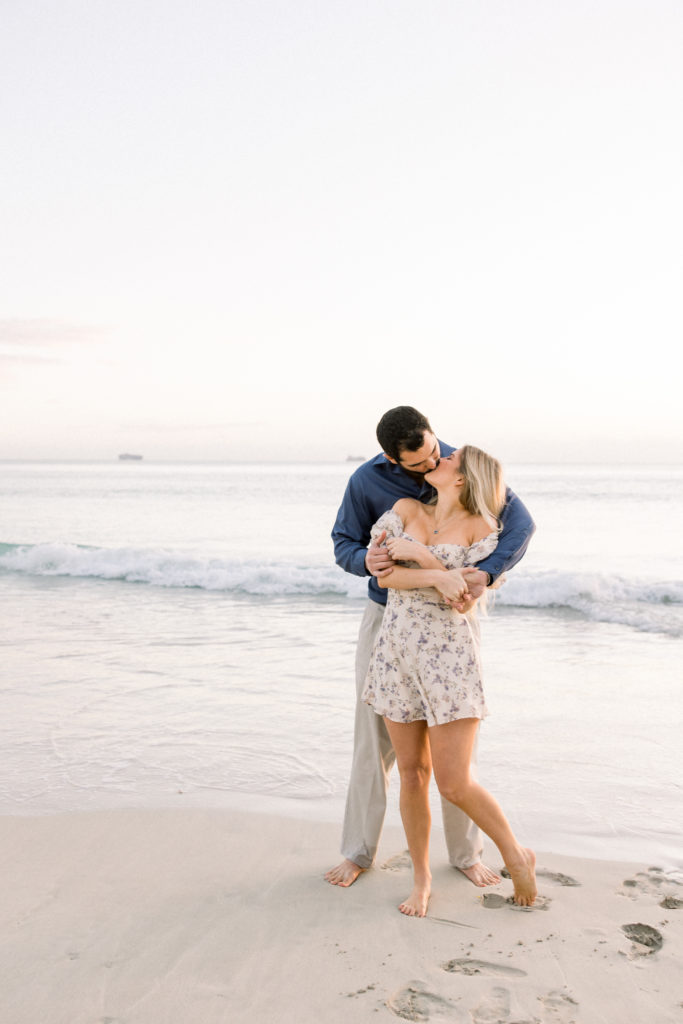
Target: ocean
[(179, 635)]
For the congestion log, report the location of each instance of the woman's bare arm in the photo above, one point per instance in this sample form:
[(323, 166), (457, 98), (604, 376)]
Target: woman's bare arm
[(449, 582)]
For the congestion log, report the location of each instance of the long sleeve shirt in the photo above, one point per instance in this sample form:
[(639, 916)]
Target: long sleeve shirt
[(377, 485)]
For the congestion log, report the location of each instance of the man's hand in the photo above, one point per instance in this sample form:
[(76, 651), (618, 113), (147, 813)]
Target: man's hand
[(378, 561), (476, 580)]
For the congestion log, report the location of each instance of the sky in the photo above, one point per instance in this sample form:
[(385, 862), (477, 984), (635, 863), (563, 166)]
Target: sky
[(243, 229)]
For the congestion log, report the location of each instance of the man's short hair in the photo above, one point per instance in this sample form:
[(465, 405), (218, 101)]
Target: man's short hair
[(402, 429)]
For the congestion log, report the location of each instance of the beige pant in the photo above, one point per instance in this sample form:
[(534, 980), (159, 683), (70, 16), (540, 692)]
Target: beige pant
[(373, 758)]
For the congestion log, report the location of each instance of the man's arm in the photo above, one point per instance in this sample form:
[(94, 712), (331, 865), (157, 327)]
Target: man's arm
[(351, 536), (518, 529)]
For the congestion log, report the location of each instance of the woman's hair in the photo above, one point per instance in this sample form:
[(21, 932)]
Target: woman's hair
[(483, 493)]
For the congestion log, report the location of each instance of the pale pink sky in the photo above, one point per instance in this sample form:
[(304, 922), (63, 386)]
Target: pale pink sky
[(248, 228)]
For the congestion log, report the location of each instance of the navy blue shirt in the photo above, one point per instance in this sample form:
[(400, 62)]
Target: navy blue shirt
[(377, 485)]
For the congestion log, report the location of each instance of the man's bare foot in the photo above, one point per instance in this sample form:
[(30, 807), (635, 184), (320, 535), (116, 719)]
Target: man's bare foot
[(524, 878), (416, 904), (480, 875), (344, 874)]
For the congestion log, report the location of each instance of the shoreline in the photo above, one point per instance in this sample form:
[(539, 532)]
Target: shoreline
[(171, 916)]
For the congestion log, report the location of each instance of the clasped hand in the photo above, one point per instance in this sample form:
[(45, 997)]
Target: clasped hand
[(378, 560), (452, 587)]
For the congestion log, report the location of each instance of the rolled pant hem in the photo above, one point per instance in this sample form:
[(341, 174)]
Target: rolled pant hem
[(363, 860), (469, 863)]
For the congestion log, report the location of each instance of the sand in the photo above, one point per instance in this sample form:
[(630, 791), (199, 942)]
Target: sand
[(177, 917)]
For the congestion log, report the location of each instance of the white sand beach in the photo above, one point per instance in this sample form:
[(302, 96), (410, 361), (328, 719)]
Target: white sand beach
[(171, 917)]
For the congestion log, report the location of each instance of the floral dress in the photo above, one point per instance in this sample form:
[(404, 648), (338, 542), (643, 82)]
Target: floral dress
[(425, 663)]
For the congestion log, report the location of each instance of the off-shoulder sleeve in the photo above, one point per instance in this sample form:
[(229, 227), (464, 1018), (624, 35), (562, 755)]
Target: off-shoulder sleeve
[(389, 521), (481, 549)]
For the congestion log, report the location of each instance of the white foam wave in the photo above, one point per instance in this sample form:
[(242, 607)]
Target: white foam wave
[(650, 606), (162, 568), (545, 589), (645, 605)]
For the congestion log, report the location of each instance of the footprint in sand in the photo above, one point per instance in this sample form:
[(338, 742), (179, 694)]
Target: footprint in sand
[(672, 903), (653, 882), (467, 966), (560, 1008), (494, 1007), (552, 876), (397, 863), (645, 938), (494, 901), (414, 1002)]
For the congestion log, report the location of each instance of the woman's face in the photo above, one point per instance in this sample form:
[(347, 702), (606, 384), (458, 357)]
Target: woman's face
[(448, 471)]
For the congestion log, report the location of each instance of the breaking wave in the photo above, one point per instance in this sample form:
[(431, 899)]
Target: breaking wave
[(163, 568), (645, 605)]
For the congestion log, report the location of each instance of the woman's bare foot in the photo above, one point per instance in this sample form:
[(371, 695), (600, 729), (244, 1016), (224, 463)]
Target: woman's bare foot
[(344, 874), (480, 875), (524, 878), (416, 904)]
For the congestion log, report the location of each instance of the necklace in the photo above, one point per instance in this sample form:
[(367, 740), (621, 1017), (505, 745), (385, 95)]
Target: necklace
[(441, 525)]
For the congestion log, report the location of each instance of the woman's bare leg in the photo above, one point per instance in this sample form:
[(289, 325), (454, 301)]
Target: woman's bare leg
[(451, 748), (410, 742)]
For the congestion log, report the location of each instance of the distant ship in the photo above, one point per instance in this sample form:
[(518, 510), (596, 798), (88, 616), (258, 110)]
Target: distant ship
[(127, 457), (355, 458)]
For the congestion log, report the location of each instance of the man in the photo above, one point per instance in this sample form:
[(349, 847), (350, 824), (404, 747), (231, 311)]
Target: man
[(409, 450)]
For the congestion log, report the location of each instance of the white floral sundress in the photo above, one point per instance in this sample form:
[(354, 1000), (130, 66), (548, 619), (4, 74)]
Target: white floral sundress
[(425, 663)]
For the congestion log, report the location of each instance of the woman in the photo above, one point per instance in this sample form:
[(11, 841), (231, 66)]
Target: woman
[(425, 676)]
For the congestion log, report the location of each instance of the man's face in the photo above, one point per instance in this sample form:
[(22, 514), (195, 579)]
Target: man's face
[(424, 459), (448, 469)]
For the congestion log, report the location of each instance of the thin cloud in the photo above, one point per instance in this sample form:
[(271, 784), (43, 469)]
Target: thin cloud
[(42, 342), (28, 357), (40, 332), (166, 427)]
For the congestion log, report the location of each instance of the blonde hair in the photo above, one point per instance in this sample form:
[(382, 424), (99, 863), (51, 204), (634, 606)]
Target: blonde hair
[(483, 493)]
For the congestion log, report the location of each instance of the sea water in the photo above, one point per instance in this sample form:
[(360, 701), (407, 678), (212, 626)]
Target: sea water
[(179, 635)]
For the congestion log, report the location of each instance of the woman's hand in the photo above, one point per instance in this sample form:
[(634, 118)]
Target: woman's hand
[(452, 586), (404, 550), (412, 551), (464, 606)]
